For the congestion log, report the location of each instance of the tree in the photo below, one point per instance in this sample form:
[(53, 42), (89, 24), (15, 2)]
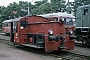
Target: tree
[(14, 10), (54, 6), (1, 16)]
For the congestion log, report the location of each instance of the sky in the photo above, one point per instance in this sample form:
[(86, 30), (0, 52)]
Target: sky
[(7, 2)]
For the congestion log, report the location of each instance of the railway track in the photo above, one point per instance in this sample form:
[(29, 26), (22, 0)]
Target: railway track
[(71, 56), (60, 55), (80, 45)]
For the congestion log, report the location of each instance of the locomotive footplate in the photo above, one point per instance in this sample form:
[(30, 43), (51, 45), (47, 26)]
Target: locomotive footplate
[(30, 45)]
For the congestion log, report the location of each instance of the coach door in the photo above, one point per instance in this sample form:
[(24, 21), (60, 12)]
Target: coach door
[(13, 30), (12, 34), (85, 20)]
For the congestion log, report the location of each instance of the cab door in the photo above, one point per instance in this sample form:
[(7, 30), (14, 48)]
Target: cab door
[(16, 32), (21, 31), (85, 20)]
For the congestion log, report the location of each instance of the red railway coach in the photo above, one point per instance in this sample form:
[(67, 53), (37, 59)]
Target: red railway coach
[(6, 27), (50, 33)]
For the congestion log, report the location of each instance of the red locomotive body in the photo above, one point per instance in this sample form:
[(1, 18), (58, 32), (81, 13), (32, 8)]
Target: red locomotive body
[(49, 33)]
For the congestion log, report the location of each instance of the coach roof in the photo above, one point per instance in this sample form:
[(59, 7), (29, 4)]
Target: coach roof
[(12, 20)]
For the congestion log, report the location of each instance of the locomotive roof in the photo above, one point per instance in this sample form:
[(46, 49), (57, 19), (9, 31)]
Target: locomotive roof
[(11, 20), (84, 6), (59, 14)]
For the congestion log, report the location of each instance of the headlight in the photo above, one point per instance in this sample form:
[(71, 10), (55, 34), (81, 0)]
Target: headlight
[(50, 32), (21, 27), (71, 32)]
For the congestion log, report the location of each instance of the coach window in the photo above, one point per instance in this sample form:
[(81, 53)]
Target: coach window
[(24, 24), (6, 25), (9, 24)]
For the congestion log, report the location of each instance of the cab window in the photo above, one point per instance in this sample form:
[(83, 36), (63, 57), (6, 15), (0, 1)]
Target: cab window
[(5, 24), (68, 21), (24, 24), (85, 11)]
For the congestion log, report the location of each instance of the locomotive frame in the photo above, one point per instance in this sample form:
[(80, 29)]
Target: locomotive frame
[(48, 31)]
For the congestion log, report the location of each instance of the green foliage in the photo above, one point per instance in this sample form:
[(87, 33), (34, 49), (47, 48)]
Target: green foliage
[(14, 10), (76, 4), (44, 7)]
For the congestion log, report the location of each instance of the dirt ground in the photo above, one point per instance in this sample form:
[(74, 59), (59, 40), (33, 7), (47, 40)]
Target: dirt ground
[(10, 53)]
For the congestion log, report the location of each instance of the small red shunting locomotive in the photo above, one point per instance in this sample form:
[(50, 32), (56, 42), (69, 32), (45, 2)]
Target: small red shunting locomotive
[(51, 31)]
